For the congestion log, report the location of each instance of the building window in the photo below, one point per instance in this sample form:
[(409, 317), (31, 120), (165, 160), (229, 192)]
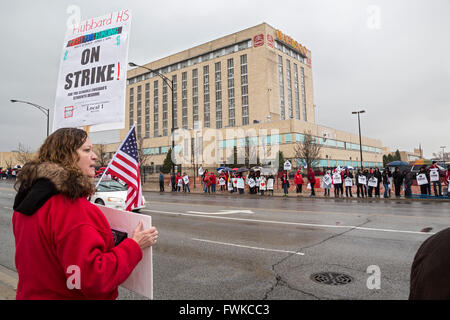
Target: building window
[(139, 111), (131, 112), (244, 89), (174, 102), (297, 96), (302, 74), (288, 138), (184, 104), (206, 96), (155, 109), (165, 113), (281, 81), (231, 102), (289, 90), (147, 110), (218, 80), (195, 97)]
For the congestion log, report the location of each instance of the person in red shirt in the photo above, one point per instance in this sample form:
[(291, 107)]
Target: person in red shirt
[(64, 245), (213, 180), (298, 180), (312, 180)]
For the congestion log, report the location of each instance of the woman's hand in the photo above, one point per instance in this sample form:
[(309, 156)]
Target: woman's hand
[(144, 238)]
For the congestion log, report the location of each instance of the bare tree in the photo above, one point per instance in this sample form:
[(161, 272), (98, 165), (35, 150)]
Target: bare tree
[(23, 154), (308, 150), (103, 156), (142, 157)]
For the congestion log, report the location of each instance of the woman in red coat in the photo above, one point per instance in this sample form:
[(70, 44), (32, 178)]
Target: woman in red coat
[(298, 180), (64, 244), (312, 180)]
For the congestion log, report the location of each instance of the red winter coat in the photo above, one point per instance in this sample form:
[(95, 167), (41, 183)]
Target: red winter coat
[(298, 179), (63, 238)]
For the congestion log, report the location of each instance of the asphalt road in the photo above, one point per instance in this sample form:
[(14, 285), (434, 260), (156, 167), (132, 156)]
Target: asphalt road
[(253, 247)]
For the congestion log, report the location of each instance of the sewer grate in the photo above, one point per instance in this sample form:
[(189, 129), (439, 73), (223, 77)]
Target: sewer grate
[(331, 278)]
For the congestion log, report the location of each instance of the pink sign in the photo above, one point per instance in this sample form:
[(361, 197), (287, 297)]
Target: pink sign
[(258, 40), (270, 40)]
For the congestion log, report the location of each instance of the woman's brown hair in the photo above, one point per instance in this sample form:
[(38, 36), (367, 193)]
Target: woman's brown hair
[(59, 148)]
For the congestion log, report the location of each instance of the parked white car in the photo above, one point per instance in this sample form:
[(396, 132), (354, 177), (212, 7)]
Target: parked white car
[(112, 194)]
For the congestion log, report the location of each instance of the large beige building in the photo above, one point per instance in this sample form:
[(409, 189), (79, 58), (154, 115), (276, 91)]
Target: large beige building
[(253, 88)]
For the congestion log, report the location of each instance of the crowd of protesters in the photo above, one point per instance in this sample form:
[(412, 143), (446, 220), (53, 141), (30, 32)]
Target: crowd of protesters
[(8, 173), (369, 182)]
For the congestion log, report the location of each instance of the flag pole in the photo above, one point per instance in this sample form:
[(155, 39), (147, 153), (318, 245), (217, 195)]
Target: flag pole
[(109, 164)]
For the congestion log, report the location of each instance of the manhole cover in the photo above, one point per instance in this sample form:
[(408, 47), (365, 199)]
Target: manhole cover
[(331, 278)]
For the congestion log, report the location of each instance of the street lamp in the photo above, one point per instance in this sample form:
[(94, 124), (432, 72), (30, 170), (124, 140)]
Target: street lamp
[(359, 126), (170, 85), (44, 110), (443, 153)]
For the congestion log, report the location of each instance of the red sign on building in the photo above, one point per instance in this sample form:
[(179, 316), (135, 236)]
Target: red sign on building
[(270, 40), (258, 40)]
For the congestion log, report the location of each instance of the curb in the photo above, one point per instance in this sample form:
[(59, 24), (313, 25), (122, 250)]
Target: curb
[(8, 283), (295, 196)]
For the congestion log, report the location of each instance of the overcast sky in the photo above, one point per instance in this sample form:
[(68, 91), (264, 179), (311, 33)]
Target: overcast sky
[(390, 58)]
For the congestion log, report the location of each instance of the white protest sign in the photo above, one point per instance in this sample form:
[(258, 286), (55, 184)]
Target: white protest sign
[(287, 165), (240, 183), (200, 171), (141, 279), (373, 182), (221, 182), (93, 73), (235, 182), (337, 178), (262, 185), (327, 180), (348, 182), (362, 180), (270, 184), (434, 175), (251, 182), (230, 186), (421, 179), (186, 179)]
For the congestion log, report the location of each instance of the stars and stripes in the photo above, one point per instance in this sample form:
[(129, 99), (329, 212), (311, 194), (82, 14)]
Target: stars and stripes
[(125, 166)]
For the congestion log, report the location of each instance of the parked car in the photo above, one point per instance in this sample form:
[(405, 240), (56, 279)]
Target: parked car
[(416, 168), (112, 194)]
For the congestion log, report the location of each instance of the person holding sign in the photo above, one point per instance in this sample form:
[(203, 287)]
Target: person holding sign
[(337, 182), (348, 180), (186, 183), (240, 183), (64, 244), (398, 180), (327, 182), (422, 180), (447, 178), (270, 182), (262, 185), (436, 179), (361, 181), (285, 183)]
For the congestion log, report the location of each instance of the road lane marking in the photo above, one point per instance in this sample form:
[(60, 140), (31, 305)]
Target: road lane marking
[(248, 247), (293, 223), (223, 212)]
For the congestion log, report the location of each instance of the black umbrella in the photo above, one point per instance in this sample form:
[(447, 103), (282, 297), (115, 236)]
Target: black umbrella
[(242, 170)]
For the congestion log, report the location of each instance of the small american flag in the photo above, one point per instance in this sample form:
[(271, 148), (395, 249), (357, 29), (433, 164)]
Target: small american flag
[(125, 166)]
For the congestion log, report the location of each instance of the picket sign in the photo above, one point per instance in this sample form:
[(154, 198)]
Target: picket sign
[(270, 184), (230, 186), (421, 179), (221, 182), (326, 179), (373, 182), (186, 179), (337, 178), (362, 180), (240, 183), (262, 185), (251, 182), (348, 182), (434, 175)]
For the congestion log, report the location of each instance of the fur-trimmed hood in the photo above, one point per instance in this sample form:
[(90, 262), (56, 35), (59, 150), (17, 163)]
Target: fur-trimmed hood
[(38, 182)]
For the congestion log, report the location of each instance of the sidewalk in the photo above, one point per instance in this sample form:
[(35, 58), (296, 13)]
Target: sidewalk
[(154, 187), (8, 284)]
